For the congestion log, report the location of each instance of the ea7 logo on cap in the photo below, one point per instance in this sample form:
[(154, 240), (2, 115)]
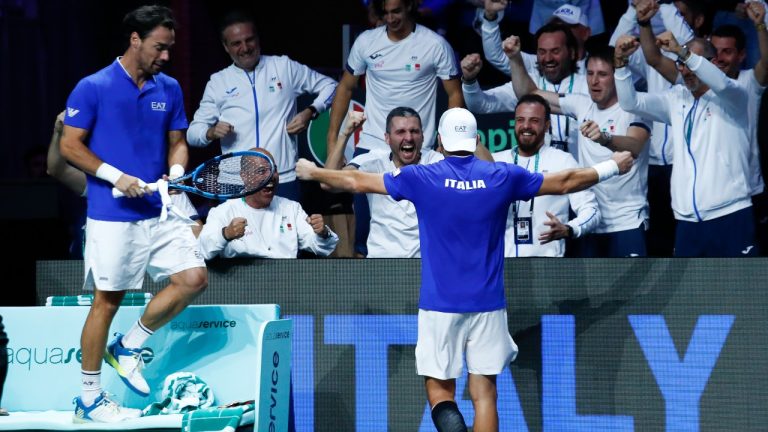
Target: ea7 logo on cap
[(460, 128)]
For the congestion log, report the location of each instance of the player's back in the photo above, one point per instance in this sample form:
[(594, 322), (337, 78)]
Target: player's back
[(461, 204)]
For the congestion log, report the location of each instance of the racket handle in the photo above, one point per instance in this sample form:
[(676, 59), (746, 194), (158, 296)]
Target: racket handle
[(117, 194)]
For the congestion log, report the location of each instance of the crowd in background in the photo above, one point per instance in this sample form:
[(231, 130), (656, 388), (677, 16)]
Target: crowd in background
[(481, 26)]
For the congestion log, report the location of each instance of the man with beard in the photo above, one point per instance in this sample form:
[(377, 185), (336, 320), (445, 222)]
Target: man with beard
[(263, 225), (403, 62), (252, 102), (132, 118), (462, 204), (709, 124), (394, 227), (604, 127), (568, 15), (535, 227), (555, 71)]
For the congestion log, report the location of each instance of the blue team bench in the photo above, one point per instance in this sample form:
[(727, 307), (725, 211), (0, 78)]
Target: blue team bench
[(242, 352)]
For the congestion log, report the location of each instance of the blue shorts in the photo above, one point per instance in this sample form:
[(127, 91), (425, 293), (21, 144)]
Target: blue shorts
[(619, 244), (732, 235)]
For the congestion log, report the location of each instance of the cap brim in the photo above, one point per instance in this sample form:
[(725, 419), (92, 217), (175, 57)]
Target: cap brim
[(565, 21)]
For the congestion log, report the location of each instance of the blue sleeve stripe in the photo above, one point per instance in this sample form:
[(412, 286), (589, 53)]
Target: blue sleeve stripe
[(641, 125), (592, 216)]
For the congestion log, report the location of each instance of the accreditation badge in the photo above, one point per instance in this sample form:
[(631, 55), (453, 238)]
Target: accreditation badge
[(523, 234)]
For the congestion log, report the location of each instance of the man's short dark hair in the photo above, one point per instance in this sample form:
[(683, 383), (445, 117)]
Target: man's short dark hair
[(601, 52), (410, 6), (570, 40), (147, 18), (731, 31), (236, 17), (402, 112), (533, 98)]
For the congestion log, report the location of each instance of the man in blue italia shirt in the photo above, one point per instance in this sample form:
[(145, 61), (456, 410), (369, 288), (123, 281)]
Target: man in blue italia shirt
[(462, 204)]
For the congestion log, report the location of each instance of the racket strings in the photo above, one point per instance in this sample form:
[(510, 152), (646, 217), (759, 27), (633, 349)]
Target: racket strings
[(237, 175), (256, 171)]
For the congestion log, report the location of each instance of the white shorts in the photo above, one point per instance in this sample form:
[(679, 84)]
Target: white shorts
[(444, 338), (117, 254)]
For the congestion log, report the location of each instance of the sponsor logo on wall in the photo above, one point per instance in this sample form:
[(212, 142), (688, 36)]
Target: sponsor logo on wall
[(203, 324), (37, 356)]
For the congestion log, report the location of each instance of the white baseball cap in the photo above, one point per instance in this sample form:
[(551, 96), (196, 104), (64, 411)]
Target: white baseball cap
[(458, 130), (570, 14)]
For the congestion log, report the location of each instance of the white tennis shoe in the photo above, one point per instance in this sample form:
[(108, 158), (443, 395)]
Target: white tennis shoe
[(102, 410), (128, 363)]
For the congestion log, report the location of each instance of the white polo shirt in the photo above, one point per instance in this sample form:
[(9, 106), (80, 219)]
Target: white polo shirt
[(394, 227), (622, 199), (402, 73)]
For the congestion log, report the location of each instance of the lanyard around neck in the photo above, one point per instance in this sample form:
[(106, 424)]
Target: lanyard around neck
[(535, 170), (557, 117)]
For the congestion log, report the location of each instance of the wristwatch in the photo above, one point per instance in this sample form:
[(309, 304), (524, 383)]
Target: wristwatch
[(326, 233), (315, 114), (685, 53), (570, 231), (607, 137)]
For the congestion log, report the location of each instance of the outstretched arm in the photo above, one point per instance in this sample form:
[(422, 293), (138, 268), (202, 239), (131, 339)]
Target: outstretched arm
[(346, 180), (574, 180)]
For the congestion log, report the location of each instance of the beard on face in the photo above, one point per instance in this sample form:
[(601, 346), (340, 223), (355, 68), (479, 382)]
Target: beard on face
[(528, 139)]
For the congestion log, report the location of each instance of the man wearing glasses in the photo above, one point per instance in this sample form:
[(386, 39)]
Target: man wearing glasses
[(710, 185)]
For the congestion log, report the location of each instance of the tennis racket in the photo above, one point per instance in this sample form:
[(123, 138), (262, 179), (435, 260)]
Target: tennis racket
[(231, 175)]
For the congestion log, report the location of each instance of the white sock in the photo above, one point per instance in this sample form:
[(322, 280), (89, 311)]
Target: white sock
[(91, 385), (137, 335)]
